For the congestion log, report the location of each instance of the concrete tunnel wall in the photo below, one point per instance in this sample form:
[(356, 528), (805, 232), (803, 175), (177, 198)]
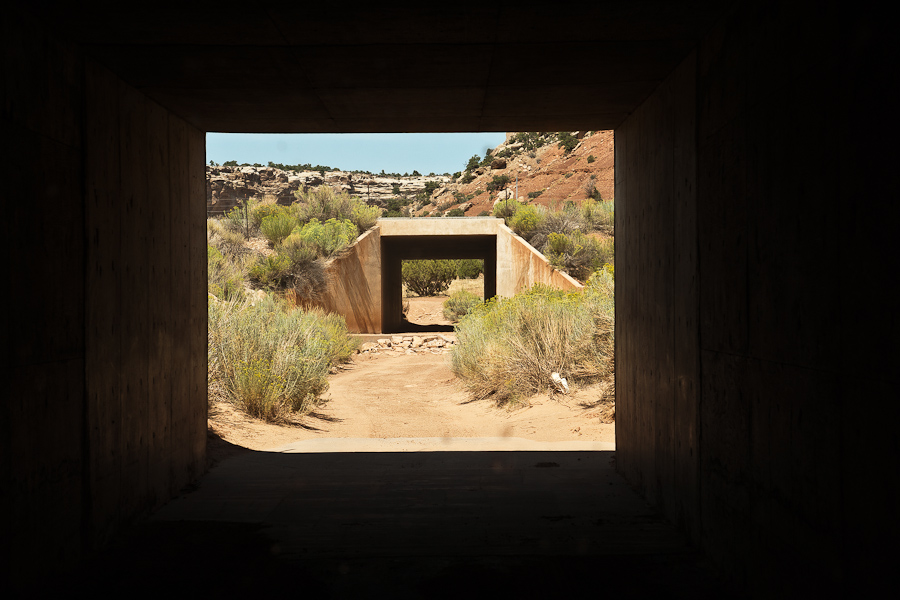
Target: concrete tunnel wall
[(756, 328), (104, 409), (364, 282), (755, 342)]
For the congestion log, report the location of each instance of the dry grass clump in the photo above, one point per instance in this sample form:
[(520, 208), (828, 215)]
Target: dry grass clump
[(270, 360), (509, 348)]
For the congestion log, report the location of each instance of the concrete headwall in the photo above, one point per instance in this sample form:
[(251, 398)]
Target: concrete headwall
[(520, 266), (104, 408), (354, 284), (356, 279)]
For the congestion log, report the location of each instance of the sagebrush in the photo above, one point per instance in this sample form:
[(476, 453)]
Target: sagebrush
[(271, 360), (508, 348)]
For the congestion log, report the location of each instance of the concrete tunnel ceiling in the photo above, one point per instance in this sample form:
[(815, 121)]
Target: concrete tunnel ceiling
[(419, 68)]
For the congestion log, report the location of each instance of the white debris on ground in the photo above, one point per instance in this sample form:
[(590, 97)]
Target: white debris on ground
[(397, 345)]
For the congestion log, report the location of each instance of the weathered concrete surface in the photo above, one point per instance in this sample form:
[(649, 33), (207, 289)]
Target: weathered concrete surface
[(520, 266), (755, 360), (104, 412), (354, 284), (439, 226)]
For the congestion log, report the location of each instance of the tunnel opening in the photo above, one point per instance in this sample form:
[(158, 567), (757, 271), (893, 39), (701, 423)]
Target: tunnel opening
[(371, 294), (396, 250), (436, 293)]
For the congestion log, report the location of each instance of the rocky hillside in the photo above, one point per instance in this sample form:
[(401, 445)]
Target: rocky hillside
[(547, 175)]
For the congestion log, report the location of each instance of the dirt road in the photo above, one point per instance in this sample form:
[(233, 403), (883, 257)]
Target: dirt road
[(417, 396)]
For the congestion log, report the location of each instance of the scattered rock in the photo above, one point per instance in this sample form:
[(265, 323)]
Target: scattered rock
[(402, 345)]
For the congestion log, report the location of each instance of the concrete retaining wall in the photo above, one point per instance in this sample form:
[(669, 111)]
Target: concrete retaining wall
[(520, 266), (354, 284)]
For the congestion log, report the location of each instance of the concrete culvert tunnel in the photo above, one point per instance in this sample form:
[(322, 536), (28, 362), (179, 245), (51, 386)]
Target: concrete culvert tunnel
[(364, 284), (756, 363)]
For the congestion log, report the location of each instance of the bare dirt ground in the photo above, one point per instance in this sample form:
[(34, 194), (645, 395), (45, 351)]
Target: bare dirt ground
[(394, 395), (409, 396)]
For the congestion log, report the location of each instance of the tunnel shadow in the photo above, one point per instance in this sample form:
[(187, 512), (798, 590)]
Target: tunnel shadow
[(423, 524)]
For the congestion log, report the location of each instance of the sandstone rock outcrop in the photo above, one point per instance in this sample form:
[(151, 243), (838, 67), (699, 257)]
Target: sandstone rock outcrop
[(228, 186)]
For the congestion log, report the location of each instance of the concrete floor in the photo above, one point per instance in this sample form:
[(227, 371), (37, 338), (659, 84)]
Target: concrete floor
[(408, 524)]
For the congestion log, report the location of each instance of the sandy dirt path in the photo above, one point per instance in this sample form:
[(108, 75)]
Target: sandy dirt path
[(416, 396)]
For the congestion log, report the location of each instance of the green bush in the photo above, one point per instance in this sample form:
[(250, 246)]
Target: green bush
[(237, 219), (272, 272), (533, 195), (508, 348), (459, 304), (498, 182), (578, 254), (469, 268), (364, 216), (329, 237), (506, 208), (525, 220), (258, 212), (591, 159), (566, 141), (277, 226), (456, 212), (270, 360), (428, 277), (323, 203)]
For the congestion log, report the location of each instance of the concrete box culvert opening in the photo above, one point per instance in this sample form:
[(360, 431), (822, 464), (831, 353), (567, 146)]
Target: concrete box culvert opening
[(364, 284)]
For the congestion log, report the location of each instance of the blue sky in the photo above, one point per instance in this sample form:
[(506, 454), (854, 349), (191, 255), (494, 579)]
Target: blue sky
[(392, 152)]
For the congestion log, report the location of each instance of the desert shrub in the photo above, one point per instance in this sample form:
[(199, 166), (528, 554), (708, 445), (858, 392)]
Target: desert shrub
[(533, 195), (566, 141), (599, 215), (498, 182), (428, 277), (508, 348), (456, 212), (563, 221), (258, 212), (329, 237), (225, 278), (525, 220), (590, 189), (467, 178), (277, 226), (272, 272), (591, 159), (237, 219), (469, 268), (459, 304), (578, 254), (227, 241), (484, 213), (272, 361), (323, 203), (506, 208)]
